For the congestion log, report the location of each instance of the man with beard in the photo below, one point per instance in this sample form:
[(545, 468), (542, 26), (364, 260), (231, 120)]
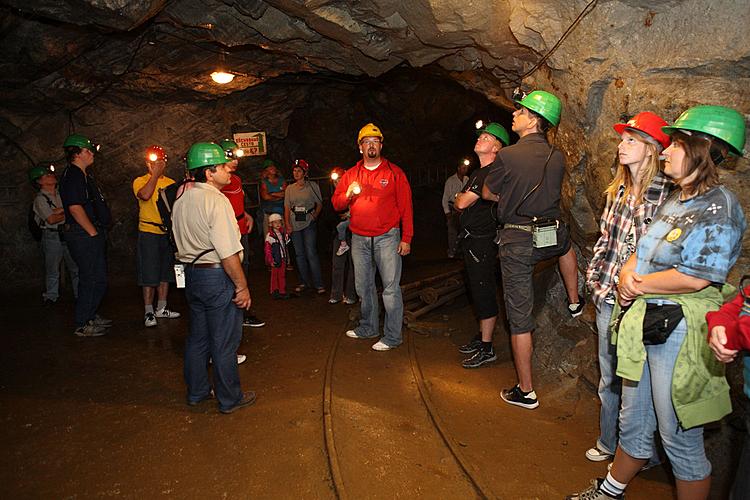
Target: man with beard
[(378, 196)]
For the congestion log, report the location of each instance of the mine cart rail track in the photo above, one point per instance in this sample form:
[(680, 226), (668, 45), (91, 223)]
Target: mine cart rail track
[(473, 476)]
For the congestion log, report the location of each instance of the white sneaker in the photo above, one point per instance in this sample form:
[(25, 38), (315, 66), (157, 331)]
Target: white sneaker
[(149, 319), (353, 335), (596, 455), (166, 313), (343, 248), (381, 346), (241, 358)]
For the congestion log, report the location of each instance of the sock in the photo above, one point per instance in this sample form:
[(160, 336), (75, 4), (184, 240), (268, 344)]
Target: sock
[(612, 487), (161, 305), (149, 309), (487, 346)]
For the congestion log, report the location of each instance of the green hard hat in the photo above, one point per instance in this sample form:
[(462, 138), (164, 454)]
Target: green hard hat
[(544, 104), (498, 131), (717, 121), (40, 170), (202, 154), (268, 162), (80, 141)]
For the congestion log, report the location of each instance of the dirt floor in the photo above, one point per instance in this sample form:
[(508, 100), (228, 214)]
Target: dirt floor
[(106, 417)]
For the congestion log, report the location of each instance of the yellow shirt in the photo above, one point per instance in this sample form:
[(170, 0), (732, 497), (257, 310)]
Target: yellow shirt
[(147, 211)]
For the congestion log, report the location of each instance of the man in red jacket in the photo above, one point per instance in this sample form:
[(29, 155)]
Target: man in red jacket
[(378, 196)]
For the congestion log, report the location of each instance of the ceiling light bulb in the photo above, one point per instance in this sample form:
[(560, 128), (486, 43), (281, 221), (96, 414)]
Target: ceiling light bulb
[(222, 77), (479, 124)]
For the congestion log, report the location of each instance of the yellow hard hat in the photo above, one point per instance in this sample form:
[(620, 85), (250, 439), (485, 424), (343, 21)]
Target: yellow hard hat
[(369, 130)]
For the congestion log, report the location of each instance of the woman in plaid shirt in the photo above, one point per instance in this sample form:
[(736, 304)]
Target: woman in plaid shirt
[(638, 189)]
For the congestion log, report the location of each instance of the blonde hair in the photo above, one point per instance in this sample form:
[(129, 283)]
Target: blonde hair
[(623, 177)]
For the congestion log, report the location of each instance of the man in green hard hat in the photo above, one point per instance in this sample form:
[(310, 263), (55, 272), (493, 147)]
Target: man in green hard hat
[(87, 218), (208, 244), (526, 179), (50, 216)]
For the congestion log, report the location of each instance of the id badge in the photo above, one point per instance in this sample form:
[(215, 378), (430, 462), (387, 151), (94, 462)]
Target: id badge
[(179, 275)]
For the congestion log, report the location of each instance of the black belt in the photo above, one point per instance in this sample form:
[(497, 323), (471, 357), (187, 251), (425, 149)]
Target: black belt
[(212, 265)]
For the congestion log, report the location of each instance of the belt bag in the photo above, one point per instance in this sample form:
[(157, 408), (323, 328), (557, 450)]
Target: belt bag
[(660, 321), (544, 233), (300, 213)]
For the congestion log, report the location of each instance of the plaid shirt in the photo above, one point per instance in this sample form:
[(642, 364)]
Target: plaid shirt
[(622, 225)]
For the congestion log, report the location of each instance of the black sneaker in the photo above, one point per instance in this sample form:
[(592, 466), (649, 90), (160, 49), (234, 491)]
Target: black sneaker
[(471, 347), (253, 322), (248, 398), (479, 358), (576, 310), (593, 493), (516, 396)]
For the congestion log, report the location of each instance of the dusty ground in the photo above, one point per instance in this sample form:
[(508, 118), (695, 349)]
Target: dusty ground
[(106, 417)]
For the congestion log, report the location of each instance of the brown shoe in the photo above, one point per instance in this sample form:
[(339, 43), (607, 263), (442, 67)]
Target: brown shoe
[(248, 398)]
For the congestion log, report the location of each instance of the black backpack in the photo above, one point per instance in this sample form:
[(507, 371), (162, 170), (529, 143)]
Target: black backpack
[(165, 202)]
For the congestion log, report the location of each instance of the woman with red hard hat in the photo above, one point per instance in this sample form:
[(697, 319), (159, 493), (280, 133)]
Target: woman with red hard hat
[(672, 384), (637, 190)]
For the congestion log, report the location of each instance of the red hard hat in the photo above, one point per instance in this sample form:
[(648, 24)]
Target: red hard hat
[(302, 164), (155, 153), (650, 124)]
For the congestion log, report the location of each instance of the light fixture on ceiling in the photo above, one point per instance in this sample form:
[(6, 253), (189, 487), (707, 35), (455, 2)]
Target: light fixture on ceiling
[(222, 77)]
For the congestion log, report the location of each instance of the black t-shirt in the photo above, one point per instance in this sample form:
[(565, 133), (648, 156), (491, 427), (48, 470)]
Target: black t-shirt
[(479, 218), (515, 172), (77, 188)]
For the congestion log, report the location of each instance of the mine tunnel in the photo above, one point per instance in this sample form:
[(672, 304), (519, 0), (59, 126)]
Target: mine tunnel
[(333, 418)]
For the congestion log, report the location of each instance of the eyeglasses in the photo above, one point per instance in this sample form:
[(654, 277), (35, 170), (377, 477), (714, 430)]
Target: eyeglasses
[(371, 141)]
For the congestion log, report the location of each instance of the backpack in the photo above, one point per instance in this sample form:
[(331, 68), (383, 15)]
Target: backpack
[(165, 202)]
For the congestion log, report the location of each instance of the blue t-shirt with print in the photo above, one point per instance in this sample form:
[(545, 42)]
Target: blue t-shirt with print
[(700, 237)]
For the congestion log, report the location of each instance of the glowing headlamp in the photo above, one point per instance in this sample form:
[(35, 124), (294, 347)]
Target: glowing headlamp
[(334, 176), (467, 162), (357, 190)]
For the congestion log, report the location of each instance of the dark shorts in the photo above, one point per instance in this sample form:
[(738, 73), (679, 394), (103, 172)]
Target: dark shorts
[(480, 261), (155, 259), (517, 261)]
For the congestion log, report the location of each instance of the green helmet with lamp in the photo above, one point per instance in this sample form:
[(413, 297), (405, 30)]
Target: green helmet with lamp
[(717, 121), (80, 141), (546, 105), (40, 171), (496, 130), (204, 154), (231, 148)]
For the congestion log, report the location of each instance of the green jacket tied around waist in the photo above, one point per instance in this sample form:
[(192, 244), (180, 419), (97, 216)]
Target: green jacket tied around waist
[(700, 392)]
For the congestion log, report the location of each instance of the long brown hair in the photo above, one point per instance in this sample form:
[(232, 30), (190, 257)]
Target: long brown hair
[(699, 149), (623, 177)]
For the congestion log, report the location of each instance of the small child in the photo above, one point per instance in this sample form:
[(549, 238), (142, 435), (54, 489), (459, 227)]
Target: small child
[(277, 255)]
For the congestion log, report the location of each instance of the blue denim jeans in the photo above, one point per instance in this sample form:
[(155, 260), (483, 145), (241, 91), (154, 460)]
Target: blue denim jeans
[(381, 252), (90, 254), (647, 405), (305, 244), (215, 332), (342, 274), (610, 385), (55, 251)]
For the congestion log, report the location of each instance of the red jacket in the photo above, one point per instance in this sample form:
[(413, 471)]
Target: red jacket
[(384, 203), (236, 196), (738, 327)]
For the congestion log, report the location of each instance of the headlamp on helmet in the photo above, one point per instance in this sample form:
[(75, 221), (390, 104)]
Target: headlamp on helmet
[(155, 153), (232, 149)]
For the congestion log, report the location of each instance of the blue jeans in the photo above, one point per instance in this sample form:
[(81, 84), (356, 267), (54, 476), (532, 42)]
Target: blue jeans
[(90, 254), (647, 405), (54, 251), (342, 274), (610, 385), (369, 252), (305, 244), (215, 332)]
